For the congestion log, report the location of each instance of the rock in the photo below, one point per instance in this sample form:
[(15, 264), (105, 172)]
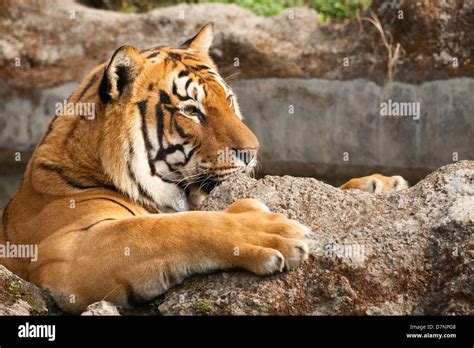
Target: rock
[(101, 308), (51, 37), (19, 297), (401, 253)]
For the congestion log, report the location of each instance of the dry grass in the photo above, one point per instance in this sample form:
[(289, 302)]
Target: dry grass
[(393, 52)]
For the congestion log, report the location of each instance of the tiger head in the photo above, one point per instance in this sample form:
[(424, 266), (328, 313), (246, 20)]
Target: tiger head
[(171, 126)]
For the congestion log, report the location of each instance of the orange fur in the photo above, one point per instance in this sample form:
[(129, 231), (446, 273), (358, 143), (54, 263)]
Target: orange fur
[(376, 183), (93, 195)]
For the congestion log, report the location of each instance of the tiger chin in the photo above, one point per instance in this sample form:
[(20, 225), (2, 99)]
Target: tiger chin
[(95, 191)]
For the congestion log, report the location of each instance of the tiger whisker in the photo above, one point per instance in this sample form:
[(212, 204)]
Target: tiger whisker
[(231, 75), (178, 171)]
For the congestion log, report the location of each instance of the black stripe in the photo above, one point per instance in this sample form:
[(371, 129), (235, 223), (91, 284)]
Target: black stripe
[(190, 56), (162, 152), (88, 86), (151, 165), (164, 97), (60, 172), (104, 88), (153, 55), (71, 182), (171, 109), (180, 130), (180, 97), (142, 105), (97, 222), (187, 84), (183, 73), (175, 57), (188, 42), (110, 200), (5, 220), (159, 123), (124, 78), (133, 177), (200, 67), (187, 158)]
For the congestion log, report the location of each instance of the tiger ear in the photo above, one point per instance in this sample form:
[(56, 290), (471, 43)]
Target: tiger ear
[(124, 66), (202, 41)]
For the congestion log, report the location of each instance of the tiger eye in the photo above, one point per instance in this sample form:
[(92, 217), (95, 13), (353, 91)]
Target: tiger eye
[(190, 110), (230, 100)]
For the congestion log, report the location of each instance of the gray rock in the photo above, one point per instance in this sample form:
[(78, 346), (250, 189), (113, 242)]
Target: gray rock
[(101, 308), (19, 297), (398, 253), (50, 37), (407, 252)]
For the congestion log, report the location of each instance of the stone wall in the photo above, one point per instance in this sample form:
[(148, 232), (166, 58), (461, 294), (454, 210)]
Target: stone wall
[(310, 127)]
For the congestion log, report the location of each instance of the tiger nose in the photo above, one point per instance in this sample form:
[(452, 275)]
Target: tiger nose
[(246, 155)]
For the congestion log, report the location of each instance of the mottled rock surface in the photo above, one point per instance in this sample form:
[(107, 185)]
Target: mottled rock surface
[(101, 308), (408, 252), (59, 41), (19, 297)]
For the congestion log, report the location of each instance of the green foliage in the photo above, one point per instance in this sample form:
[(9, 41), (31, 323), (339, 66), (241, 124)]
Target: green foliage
[(130, 5), (13, 292), (203, 307), (263, 7), (339, 9), (335, 9)]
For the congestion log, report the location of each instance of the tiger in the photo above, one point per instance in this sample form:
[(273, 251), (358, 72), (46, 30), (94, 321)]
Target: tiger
[(376, 183), (110, 199)]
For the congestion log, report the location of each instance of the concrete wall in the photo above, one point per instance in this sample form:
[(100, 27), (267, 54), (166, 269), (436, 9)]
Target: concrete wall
[(25, 114), (335, 131)]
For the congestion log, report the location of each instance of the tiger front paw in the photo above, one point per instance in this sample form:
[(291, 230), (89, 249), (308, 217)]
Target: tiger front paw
[(266, 242)]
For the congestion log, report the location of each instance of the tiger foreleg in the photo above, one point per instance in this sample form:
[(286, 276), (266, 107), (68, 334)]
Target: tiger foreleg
[(144, 256)]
